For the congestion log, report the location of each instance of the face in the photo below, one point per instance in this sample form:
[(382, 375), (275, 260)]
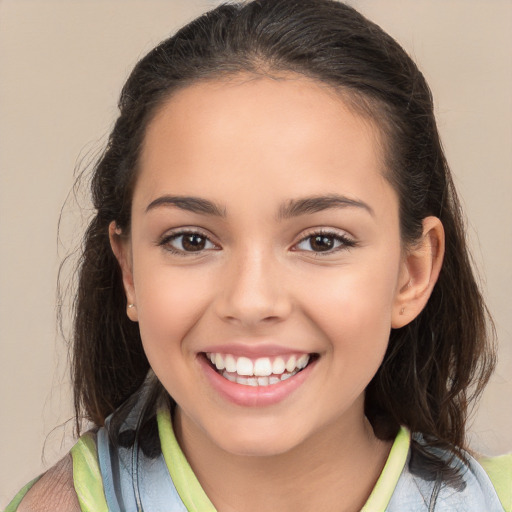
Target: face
[(264, 261)]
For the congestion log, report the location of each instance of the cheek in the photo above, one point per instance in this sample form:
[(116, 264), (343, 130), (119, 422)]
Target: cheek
[(353, 307), (170, 302)]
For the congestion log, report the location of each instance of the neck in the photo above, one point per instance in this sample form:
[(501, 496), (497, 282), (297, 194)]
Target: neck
[(335, 469)]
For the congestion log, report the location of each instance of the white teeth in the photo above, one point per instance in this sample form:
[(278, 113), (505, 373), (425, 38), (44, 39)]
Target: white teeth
[(290, 365), (230, 376), (257, 381), (279, 366), (244, 366), (259, 372), (230, 363), (263, 381), (219, 362), (303, 361), (262, 367)]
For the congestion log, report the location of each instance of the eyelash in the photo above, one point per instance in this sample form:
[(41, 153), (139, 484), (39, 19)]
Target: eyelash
[(345, 242)]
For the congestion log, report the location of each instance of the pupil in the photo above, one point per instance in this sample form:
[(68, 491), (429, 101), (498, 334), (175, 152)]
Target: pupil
[(193, 242), (322, 243)]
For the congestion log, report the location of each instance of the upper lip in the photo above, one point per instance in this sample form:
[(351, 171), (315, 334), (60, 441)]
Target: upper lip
[(253, 350)]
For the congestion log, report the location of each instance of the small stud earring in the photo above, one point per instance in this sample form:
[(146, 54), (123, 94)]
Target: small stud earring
[(131, 305)]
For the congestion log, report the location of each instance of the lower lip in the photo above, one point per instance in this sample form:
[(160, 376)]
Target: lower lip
[(253, 396)]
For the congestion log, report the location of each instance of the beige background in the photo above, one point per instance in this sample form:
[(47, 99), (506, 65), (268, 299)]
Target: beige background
[(62, 64)]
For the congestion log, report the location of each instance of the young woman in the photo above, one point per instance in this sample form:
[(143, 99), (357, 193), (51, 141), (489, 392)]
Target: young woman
[(276, 309)]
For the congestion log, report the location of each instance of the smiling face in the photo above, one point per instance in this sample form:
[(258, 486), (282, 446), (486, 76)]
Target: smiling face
[(264, 261)]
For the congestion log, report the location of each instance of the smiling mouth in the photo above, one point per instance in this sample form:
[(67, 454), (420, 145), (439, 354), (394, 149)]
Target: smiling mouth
[(260, 372)]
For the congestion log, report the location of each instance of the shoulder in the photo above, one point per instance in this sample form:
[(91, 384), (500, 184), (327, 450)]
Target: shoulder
[(54, 491), (499, 470)]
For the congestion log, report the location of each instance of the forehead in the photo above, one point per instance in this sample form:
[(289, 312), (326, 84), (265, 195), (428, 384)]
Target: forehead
[(290, 134)]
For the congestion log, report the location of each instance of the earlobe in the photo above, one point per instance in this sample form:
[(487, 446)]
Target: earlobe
[(420, 271), (121, 248)]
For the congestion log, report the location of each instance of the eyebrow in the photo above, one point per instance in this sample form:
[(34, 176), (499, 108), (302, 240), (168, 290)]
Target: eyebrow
[(313, 204), (190, 204), (290, 209)]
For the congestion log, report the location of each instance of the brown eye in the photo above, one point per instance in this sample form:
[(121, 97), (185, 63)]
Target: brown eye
[(325, 243), (193, 242), (187, 242), (321, 243)]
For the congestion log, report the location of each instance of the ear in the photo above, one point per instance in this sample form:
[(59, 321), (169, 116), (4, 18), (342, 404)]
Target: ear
[(121, 247), (420, 270)]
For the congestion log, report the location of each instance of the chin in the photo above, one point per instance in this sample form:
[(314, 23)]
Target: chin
[(259, 442)]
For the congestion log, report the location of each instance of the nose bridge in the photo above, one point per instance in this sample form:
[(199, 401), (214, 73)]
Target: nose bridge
[(253, 290)]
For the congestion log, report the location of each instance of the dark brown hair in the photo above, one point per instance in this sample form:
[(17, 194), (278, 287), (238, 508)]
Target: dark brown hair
[(434, 366)]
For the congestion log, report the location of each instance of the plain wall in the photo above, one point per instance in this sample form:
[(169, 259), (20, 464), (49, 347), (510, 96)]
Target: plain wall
[(62, 65)]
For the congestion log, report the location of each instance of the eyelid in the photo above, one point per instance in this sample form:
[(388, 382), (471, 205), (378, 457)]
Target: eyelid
[(322, 230), (347, 241), (164, 240)]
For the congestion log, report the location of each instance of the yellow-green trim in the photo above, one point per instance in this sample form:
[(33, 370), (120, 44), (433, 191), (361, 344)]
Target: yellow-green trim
[(387, 482), (185, 481), (87, 476), (195, 499), (499, 470), (13, 505)]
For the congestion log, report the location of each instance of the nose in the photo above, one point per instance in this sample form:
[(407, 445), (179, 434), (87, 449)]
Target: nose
[(252, 292)]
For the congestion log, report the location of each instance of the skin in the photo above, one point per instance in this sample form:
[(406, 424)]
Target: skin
[(250, 145), (54, 491)]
